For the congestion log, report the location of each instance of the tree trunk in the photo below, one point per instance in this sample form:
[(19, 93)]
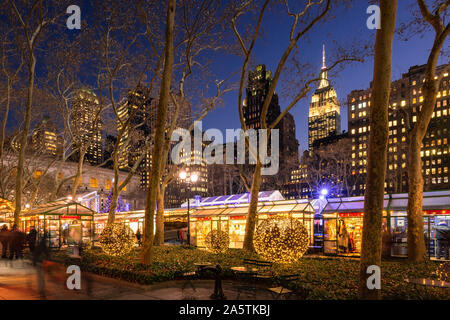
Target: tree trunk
[(416, 239), (23, 141), (251, 216), (5, 119), (159, 233), (79, 174), (155, 170), (378, 142), (115, 189)]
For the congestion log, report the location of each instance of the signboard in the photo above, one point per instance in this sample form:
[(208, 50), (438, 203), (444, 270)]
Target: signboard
[(71, 217), (351, 214), (238, 218)]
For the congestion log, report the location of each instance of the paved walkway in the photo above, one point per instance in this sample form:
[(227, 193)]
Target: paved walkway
[(19, 280)]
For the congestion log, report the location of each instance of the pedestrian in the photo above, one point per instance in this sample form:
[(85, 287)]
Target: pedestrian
[(31, 238), (38, 261), (41, 249), (16, 241), (4, 239), (138, 237)]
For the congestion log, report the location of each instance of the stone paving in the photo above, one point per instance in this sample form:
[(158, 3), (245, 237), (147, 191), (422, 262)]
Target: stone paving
[(19, 281)]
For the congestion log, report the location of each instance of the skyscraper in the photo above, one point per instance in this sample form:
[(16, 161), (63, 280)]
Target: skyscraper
[(44, 137), (259, 82), (324, 112), (404, 106), (87, 125), (137, 106)]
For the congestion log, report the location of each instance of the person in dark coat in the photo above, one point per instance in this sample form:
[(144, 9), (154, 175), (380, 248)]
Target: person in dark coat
[(138, 237), (16, 241), (4, 239), (41, 250), (31, 238)]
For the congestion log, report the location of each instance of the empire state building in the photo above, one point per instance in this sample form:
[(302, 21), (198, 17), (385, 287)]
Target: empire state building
[(324, 112)]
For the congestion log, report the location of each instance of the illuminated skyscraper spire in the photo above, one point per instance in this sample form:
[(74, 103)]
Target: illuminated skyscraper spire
[(323, 74), (323, 58)]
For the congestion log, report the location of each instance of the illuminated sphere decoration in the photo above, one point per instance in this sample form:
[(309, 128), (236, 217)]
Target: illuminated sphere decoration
[(117, 239), (217, 241), (443, 272), (281, 239)]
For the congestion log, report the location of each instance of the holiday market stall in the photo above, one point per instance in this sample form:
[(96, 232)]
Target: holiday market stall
[(436, 223), (66, 222), (232, 219), (6, 212), (343, 223)]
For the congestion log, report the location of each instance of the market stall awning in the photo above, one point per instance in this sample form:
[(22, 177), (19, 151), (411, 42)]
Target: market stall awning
[(433, 200), (59, 207), (231, 199), (270, 207), (349, 204)]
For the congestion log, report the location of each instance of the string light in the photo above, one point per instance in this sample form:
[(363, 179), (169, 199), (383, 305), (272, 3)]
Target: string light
[(443, 271), (117, 239), (281, 239), (217, 241)]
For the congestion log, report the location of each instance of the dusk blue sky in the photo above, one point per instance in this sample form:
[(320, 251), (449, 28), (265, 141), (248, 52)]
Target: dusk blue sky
[(347, 25)]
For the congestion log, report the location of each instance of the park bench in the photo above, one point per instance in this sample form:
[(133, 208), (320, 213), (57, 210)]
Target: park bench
[(427, 283), (282, 290), (189, 277), (255, 270), (261, 268)]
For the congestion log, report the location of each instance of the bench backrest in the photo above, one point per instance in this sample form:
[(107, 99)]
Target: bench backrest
[(289, 277), (258, 263)]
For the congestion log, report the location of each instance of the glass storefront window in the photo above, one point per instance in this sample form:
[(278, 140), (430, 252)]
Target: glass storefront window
[(440, 237), (237, 233)]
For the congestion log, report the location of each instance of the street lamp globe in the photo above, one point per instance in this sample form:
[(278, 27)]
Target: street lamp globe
[(183, 175), (324, 192), (194, 177)]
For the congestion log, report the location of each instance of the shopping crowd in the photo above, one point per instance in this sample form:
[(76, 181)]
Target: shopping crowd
[(14, 240)]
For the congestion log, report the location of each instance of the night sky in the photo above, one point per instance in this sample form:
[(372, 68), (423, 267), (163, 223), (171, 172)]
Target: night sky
[(347, 25)]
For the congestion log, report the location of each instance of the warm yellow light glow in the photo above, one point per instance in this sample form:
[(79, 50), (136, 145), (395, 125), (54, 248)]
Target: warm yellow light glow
[(117, 239), (281, 239), (217, 241)]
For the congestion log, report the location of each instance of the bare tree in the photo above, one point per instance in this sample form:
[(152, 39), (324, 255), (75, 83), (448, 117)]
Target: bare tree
[(155, 171), (416, 241), (33, 18), (302, 22), (378, 142)]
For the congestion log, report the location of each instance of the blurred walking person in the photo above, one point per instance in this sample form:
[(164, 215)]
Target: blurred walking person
[(16, 241), (31, 239), (138, 237), (38, 261), (4, 239)]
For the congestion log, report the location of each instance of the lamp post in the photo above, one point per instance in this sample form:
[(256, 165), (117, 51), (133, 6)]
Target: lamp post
[(193, 178), (323, 194)]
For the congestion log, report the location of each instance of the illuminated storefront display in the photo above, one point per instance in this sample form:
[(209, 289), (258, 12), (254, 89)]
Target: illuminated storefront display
[(65, 222), (343, 223), (232, 218), (173, 218), (6, 212), (436, 223)]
